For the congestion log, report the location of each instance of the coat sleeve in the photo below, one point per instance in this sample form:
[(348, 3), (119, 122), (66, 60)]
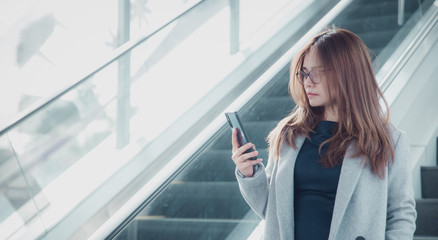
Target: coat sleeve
[(401, 213), (255, 189)]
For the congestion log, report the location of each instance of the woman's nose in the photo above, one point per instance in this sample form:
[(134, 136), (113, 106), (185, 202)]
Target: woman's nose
[(307, 81)]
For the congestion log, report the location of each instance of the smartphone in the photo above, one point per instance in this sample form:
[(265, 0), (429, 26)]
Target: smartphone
[(234, 121)]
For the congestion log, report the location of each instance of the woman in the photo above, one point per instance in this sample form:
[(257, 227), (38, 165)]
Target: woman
[(337, 168)]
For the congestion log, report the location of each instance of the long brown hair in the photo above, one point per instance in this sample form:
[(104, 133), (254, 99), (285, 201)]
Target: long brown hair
[(353, 89)]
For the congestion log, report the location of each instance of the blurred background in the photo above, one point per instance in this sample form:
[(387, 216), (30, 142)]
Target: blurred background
[(111, 112)]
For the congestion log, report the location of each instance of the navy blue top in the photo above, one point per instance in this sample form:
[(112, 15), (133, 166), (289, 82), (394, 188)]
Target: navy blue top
[(315, 187)]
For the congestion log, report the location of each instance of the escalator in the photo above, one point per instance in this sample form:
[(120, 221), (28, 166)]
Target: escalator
[(202, 199), (68, 142)]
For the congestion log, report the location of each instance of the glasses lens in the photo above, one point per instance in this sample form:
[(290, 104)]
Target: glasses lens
[(303, 76), (313, 77)]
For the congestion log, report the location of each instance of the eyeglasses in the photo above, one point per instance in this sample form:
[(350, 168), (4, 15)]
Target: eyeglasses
[(312, 75)]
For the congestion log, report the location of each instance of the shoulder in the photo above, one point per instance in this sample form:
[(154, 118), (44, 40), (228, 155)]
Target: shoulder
[(401, 145), (396, 134)]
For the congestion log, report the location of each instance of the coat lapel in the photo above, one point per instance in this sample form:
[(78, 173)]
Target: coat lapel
[(350, 172), (285, 190)]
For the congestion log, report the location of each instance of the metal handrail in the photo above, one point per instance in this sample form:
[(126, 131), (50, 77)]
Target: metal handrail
[(399, 61), (119, 52)]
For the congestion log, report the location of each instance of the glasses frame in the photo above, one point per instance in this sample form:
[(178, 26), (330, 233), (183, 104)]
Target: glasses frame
[(301, 75)]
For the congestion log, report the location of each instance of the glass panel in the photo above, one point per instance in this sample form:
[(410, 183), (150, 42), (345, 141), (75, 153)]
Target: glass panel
[(78, 141), (47, 45), (63, 147), (169, 77), (256, 14), (147, 15), (16, 203), (74, 142)]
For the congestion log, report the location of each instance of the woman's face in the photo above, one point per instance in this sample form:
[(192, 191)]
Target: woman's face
[(316, 90)]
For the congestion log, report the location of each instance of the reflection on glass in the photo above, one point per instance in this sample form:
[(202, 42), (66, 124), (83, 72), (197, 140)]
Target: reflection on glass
[(60, 147), (16, 192), (45, 46)]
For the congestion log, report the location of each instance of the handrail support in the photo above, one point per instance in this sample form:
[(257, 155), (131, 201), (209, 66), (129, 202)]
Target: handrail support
[(234, 26), (124, 76), (401, 12)]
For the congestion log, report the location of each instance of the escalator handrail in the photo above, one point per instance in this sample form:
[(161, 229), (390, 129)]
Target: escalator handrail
[(387, 74), (119, 52)]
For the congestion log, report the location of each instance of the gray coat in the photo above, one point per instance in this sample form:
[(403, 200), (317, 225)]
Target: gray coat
[(365, 206)]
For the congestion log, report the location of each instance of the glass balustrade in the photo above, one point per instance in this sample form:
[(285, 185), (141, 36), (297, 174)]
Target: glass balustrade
[(20, 197)]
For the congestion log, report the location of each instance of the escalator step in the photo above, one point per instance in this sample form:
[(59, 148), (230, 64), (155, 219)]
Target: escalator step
[(425, 238), (185, 229), (377, 39), (272, 108), (281, 88), (377, 23), (256, 131), (368, 9), (213, 165), (219, 200), (427, 210), (429, 182)]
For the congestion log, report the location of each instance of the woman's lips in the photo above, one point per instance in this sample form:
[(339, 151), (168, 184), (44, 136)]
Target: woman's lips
[(311, 94)]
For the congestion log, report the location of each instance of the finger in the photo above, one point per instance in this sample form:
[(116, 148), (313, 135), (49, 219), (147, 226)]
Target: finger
[(249, 155), (234, 140), (237, 153), (245, 148), (245, 157), (250, 163)]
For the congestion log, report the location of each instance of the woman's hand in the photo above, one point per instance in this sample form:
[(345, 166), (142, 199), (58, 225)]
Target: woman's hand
[(241, 159)]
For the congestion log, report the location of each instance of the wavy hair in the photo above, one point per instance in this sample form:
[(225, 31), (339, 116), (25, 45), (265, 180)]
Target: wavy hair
[(353, 89)]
